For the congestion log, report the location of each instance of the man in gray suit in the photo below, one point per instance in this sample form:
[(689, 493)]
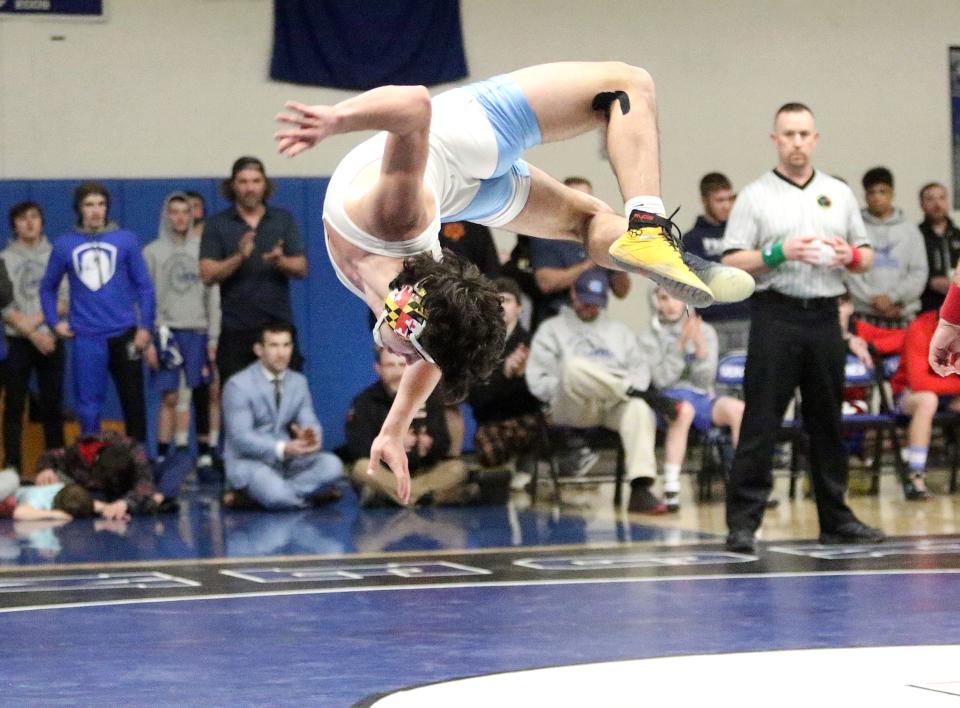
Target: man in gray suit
[(272, 447)]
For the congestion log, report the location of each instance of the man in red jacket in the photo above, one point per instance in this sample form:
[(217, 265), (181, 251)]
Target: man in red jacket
[(921, 393)]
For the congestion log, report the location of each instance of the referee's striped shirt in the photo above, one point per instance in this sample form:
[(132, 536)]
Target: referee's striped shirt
[(772, 208)]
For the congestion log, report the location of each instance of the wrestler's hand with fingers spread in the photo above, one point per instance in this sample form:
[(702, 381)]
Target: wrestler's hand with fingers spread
[(311, 125), (391, 450), (944, 348)]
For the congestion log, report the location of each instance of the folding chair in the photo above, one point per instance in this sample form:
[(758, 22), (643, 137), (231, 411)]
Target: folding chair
[(948, 422), (880, 416), (713, 461), (555, 441)]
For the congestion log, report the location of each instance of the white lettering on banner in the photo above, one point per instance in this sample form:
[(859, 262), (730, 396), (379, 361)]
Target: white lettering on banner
[(95, 581), (313, 574), (639, 560), (878, 550)]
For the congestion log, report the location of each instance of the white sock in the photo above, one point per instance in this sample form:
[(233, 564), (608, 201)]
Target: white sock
[(214, 437), (181, 438), (651, 204), (671, 477)]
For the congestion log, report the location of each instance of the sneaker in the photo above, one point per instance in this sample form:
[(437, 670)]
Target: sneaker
[(494, 486), (643, 501), (741, 541), (580, 462), (852, 532), (520, 480), (728, 284), (651, 248), (916, 489), (672, 500)]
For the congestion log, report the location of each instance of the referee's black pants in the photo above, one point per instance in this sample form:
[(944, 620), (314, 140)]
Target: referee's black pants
[(790, 346)]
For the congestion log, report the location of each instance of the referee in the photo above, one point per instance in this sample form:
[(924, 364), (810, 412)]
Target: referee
[(796, 230)]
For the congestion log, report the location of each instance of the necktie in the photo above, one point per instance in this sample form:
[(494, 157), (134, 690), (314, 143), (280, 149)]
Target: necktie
[(277, 396)]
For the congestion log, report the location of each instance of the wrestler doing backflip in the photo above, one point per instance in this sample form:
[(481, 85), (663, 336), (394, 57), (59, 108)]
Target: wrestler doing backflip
[(457, 157)]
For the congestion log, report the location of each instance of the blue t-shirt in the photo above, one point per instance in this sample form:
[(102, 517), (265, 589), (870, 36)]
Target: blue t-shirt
[(551, 253), (40, 496)]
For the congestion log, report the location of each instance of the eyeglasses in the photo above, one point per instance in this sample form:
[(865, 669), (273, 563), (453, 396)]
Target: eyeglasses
[(412, 327)]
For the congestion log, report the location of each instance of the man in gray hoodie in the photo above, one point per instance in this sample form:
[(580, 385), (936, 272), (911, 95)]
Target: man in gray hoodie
[(188, 320), (33, 348), (888, 296), (592, 371)]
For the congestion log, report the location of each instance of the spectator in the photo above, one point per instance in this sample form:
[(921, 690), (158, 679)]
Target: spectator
[(591, 371), (942, 239), (920, 394), (252, 250), (198, 211), (206, 396), (519, 269), (57, 501), (557, 265), (435, 478), (188, 320), (730, 321), (509, 420), (112, 467), (887, 296), (33, 348), (111, 313), (273, 438), (795, 229), (474, 243), (684, 367)]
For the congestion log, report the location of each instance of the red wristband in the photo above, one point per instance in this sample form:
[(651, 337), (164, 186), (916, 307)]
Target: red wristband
[(855, 258), (950, 310)]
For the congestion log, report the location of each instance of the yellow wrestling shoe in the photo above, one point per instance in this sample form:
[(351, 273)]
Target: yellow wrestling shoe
[(651, 248), (728, 284)]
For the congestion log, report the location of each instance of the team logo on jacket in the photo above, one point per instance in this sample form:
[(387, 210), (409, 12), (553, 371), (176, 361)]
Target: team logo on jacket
[(182, 273), (824, 201), (95, 263)]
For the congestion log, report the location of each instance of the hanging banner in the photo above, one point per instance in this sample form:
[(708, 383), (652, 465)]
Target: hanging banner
[(955, 120), (86, 8), (359, 45)]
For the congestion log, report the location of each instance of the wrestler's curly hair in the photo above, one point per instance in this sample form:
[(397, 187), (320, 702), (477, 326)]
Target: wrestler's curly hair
[(466, 332)]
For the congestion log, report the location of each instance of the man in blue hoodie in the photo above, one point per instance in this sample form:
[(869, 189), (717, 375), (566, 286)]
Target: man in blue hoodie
[(111, 313), (731, 321)]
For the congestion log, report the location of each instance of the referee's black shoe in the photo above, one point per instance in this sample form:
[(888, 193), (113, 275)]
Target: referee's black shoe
[(852, 532), (741, 541)]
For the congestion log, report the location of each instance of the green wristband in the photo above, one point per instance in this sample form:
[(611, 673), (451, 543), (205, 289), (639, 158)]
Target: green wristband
[(773, 255)]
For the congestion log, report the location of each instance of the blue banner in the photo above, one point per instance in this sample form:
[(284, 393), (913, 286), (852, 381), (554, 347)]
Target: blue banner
[(52, 7), (955, 120), (360, 45)]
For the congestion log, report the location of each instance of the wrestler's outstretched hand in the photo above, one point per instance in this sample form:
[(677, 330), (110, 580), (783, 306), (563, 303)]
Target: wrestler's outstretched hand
[(390, 449), (313, 124), (944, 348)]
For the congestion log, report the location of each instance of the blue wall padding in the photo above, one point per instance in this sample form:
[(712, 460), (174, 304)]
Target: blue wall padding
[(332, 323)]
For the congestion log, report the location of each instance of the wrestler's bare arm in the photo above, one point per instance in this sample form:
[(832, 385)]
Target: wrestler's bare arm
[(400, 110), (395, 205), (419, 380)]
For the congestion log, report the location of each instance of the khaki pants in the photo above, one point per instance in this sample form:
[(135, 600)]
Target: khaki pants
[(446, 480), (590, 396)]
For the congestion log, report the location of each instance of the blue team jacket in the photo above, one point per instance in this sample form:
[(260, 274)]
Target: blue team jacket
[(109, 282)]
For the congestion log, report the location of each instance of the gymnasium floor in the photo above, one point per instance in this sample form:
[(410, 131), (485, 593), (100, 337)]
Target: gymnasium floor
[(513, 605)]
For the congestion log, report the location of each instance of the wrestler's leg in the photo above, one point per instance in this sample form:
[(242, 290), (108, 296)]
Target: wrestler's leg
[(563, 95)]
